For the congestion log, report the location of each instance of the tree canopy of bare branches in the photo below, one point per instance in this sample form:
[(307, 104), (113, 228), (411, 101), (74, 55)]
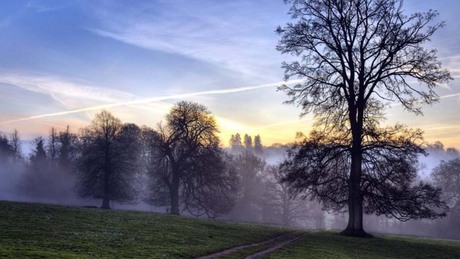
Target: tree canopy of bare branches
[(354, 56)]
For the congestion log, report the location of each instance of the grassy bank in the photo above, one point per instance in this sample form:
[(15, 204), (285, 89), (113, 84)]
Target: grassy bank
[(33, 230), (333, 245)]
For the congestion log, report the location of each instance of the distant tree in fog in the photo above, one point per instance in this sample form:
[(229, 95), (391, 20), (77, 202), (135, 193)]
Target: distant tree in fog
[(258, 147), (68, 148), (320, 165), (39, 159), (250, 169), (447, 177), (188, 162), (53, 147), (15, 142), (355, 56), (36, 180), (235, 143), (107, 163), (285, 206), (247, 142), (6, 150)]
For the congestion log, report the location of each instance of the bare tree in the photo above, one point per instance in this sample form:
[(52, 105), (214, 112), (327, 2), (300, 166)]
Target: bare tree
[(287, 206), (319, 165), (358, 55), (187, 162), (15, 142), (107, 162)]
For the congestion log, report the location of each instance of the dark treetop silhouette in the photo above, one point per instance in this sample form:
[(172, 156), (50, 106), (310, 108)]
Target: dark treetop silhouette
[(189, 163), (107, 163), (354, 56)]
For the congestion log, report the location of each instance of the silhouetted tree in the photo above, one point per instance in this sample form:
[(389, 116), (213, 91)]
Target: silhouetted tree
[(258, 147), (107, 163), (356, 55), (247, 142), (68, 148), (39, 159), (6, 150), (36, 181), (53, 148), (15, 142), (235, 143), (320, 165), (188, 161)]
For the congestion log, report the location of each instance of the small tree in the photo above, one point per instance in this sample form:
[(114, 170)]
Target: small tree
[(107, 164)]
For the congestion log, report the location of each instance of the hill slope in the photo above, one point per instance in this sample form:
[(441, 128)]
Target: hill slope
[(34, 230), (55, 231)]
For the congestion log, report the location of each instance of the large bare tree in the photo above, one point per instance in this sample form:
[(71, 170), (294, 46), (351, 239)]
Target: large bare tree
[(358, 55), (188, 163), (107, 163)]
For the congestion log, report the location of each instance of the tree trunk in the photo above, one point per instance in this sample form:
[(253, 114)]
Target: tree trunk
[(105, 203), (106, 198), (174, 195), (355, 201), (355, 197)]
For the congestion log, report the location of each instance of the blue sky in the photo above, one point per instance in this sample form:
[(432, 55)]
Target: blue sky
[(63, 61)]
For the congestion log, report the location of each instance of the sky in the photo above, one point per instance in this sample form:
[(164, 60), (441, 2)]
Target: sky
[(61, 62)]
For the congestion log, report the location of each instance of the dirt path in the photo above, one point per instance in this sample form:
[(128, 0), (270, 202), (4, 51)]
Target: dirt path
[(272, 248)]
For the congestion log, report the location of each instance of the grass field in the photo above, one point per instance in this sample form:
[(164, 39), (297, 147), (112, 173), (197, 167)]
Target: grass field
[(333, 245), (33, 230)]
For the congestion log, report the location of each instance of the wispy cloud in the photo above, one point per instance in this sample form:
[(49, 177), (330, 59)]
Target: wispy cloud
[(194, 31), (39, 6), (37, 87), (67, 92)]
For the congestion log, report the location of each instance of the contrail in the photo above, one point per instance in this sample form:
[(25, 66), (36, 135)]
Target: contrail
[(152, 99)]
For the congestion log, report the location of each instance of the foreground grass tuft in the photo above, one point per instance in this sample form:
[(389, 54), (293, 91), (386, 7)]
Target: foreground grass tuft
[(34, 230), (333, 245)]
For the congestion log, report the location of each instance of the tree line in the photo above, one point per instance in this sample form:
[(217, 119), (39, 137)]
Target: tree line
[(182, 166)]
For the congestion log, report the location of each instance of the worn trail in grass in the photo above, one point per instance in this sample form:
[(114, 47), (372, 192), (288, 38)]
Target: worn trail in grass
[(257, 249), (33, 230)]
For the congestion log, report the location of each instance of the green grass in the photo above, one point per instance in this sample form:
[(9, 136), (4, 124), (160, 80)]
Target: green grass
[(45, 231), (33, 230), (333, 245)]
